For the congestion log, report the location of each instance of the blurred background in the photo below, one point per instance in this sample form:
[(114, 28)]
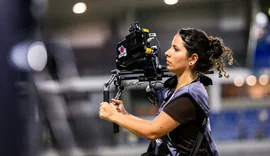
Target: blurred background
[(57, 54)]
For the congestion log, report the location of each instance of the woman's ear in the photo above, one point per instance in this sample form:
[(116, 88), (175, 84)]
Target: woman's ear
[(193, 58)]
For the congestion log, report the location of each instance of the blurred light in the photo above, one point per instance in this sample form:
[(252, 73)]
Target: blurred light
[(239, 81), (251, 80), (264, 79), (269, 11), (29, 55), (79, 8), (170, 2), (261, 19), (263, 115), (37, 56)]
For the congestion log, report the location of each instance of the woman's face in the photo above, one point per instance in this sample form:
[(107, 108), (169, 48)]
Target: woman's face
[(176, 57)]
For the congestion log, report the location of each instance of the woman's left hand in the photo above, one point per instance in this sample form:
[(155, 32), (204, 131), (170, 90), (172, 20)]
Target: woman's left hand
[(107, 111)]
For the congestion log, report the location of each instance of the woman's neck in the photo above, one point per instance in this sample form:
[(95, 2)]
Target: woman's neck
[(183, 80)]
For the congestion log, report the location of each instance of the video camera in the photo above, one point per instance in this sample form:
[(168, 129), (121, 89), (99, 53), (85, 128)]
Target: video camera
[(135, 53)]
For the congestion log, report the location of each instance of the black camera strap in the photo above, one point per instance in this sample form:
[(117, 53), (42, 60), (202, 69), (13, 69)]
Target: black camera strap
[(198, 140), (197, 144)]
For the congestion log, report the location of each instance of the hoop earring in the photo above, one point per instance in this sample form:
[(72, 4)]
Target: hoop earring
[(190, 63)]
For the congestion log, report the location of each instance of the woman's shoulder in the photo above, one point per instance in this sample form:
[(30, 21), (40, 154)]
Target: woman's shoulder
[(195, 88)]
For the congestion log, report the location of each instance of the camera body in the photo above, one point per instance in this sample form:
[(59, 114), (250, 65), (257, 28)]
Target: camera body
[(136, 53)]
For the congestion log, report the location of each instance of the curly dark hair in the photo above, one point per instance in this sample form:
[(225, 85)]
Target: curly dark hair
[(212, 52)]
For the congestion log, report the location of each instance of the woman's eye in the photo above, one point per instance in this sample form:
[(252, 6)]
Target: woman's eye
[(175, 48)]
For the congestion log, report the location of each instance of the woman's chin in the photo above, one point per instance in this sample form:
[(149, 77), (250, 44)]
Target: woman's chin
[(169, 69)]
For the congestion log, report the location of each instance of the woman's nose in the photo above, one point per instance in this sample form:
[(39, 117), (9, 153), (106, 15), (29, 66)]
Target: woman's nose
[(167, 53)]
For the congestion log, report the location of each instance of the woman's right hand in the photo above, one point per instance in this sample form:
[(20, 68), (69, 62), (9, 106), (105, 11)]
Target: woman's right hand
[(119, 106)]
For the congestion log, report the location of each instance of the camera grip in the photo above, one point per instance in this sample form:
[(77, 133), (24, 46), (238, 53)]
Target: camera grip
[(106, 97)]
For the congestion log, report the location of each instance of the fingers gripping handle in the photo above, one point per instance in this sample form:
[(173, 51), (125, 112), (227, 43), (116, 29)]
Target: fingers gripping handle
[(106, 97)]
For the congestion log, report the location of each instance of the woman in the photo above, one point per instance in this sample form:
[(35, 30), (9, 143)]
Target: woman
[(180, 124)]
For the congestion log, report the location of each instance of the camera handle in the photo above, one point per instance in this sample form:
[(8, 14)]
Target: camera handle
[(106, 92)]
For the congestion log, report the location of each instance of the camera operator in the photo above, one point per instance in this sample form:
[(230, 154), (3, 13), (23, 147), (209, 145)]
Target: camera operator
[(179, 120)]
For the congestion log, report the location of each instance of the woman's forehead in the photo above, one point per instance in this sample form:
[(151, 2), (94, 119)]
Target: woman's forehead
[(177, 40)]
